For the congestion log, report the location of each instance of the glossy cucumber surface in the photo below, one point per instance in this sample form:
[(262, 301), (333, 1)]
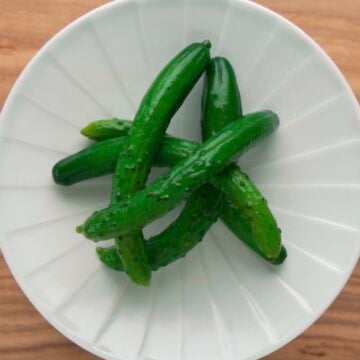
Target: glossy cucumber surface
[(221, 104), (163, 98), (167, 191), (100, 159), (172, 244)]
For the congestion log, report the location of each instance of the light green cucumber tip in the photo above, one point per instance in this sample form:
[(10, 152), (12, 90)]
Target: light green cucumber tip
[(79, 229), (86, 130)]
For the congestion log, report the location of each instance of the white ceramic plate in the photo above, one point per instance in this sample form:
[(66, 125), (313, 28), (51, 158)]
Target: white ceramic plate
[(221, 302)]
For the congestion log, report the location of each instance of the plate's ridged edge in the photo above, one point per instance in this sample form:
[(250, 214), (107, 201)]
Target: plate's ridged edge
[(120, 83)]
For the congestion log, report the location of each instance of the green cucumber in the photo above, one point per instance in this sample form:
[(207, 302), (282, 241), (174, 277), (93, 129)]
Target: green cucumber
[(162, 100), (100, 159), (171, 244), (221, 101), (221, 105), (176, 185), (110, 258), (202, 208)]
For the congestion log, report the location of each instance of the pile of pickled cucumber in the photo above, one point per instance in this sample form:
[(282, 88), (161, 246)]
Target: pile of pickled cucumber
[(204, 175)]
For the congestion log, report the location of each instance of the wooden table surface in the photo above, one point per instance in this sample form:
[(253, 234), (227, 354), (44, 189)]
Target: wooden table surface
[(24, 27)]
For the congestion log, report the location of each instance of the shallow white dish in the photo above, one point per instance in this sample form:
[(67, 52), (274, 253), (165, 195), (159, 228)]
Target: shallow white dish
[(221, 301)]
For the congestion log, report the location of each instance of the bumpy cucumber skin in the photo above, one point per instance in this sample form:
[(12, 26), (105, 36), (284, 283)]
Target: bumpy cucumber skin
[(159, 104), (177, 239), (100, 159), (221, 104), (202, 208), (109, 257), (253, 208), (219, 107), (161, 254), (164, 97), (95, 160), (177, 184), (229, 214)]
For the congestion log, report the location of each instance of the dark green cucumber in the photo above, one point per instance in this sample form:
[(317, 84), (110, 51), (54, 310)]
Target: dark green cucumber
[(100, 159), (109, 257), (96, 160), (221, 101), (172, 243), (176, 185), (202, 208), (159, 104), (162, 100)]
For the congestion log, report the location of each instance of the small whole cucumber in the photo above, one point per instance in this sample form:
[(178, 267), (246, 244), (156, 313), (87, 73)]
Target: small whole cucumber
[(167, 191)]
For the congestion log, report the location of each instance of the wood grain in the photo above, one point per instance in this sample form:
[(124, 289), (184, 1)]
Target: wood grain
[(25, 25)]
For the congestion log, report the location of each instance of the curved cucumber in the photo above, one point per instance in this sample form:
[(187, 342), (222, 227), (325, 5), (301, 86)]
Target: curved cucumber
[(168, 190), (178, 238), (164, 97), (100, 159), (202, 208), (173, 243), (221, 105), (110, 258)]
